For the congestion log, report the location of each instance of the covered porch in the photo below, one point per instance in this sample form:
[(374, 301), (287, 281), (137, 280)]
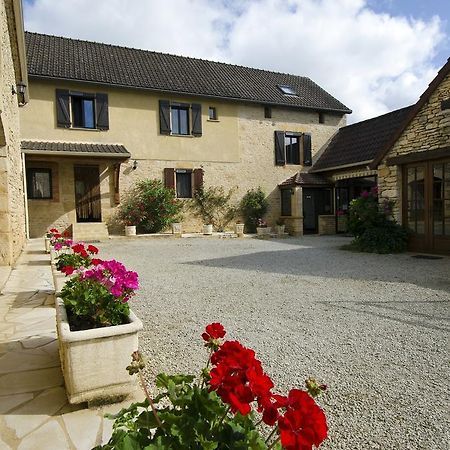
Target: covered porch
[(73, 187)]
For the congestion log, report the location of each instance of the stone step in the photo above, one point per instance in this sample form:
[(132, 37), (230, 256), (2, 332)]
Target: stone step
[(90, 231)]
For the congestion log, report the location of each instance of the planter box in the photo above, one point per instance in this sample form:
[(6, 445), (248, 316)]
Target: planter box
[(47, 244), (263, 231), (93, 361), (176, 229), (130, 230), (280, 229)]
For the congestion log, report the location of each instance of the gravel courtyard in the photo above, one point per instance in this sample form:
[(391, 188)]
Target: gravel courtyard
[(374, 328)]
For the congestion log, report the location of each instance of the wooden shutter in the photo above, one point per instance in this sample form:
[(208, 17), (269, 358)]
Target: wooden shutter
[(62, 108), (101, 107), (164, 117), (196, 119), (169, 178), (307, 152), (280, 153), (198, 179)]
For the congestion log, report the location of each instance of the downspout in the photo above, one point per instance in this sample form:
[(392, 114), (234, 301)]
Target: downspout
[(24, 174)]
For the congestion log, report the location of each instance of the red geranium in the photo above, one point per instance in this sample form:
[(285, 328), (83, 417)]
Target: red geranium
[(53, 230), (68, 270), (96, 261), (92, 249), (213, 331), (303, 424)]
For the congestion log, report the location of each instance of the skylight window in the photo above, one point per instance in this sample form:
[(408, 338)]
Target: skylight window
[(286, 89)]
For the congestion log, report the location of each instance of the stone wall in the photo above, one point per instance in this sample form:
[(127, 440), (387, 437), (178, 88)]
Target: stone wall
[(327, 224), (424, 133), (12, 210)]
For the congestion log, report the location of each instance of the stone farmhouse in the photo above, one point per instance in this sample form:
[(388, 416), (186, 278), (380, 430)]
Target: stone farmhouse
[(102, 116)]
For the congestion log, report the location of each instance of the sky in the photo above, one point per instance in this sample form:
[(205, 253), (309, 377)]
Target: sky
[(373, 55)]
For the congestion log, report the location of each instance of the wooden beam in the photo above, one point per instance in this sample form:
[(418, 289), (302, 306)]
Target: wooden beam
[(423, 155)]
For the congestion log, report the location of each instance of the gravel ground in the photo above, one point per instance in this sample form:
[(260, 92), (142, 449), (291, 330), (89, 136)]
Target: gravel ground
[(374, 328)]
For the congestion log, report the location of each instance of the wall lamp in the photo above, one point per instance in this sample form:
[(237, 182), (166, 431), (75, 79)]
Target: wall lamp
[(135, 165), (19, 89)]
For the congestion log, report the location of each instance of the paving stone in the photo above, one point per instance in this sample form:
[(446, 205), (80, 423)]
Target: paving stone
[(36, 412), (8, 402), (38, 341), (30, 381), (107, 430), (27, 360), (48, 437), (4, 446), (82, 427)]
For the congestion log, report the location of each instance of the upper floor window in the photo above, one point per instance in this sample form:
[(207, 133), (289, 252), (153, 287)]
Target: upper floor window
[(39, 183), (180, 119), (321, 117), (212, 113), (267, 112), (292, 148), (81, 110)]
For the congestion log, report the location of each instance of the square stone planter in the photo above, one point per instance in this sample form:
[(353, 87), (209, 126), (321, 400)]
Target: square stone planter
[(263, 231), (93, 361)]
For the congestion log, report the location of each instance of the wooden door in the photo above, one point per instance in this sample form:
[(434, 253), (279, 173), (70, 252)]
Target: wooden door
[(87, 194), (426, 205)]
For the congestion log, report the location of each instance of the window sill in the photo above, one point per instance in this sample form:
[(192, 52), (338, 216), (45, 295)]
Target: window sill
[(84, 129), (212, 120), (182, 135)]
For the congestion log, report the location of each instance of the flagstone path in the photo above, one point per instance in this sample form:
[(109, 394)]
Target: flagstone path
[(34, 411)]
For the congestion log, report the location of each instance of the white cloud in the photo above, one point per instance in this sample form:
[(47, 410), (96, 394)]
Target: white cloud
[(371, 62)]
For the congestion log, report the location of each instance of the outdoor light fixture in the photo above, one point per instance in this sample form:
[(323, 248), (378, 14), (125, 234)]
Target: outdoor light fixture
[(135, 164), (19, 89)]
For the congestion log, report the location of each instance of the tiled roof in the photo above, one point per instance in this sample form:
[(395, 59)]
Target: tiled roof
[(362, 141), (306, 179), (114, 150), (64, 58)]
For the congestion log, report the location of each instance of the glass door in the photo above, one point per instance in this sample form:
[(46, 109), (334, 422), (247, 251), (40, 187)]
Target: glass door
[(441, 205)]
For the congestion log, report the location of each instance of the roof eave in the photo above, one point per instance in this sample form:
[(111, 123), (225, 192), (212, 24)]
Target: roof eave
[(165, 91), (342, 166), (69, 153)]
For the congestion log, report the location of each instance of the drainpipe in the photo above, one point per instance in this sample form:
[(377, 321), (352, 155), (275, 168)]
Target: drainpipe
[(24, 174)]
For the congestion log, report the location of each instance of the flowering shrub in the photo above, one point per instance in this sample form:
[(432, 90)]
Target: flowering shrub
[(373, 227), (98, 296), (254, 205), (220, 410), (150, 206), (81, 256)]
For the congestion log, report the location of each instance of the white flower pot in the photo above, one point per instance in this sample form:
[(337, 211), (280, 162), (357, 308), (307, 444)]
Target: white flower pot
[(207, 229), (280, 229), (93, 361), (47, 244), (130, 230), (176, 228), (239, 229)]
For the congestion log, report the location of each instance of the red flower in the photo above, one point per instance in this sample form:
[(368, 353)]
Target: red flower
[(56, 235), (303, 424), (270, 416), (68, 270), (66, 233), (53, 230), (78, 248), (96, 261), (92, 249), (213, 331)]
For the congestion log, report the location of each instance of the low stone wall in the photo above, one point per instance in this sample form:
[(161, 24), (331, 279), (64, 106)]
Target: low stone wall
[(327, 224)]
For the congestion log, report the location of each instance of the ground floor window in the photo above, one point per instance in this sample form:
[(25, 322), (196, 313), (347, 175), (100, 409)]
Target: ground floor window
[(39, 183), (286, 206), (183, 183)]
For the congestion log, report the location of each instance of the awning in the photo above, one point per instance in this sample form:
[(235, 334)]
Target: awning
[(306, 179), (74, 149)]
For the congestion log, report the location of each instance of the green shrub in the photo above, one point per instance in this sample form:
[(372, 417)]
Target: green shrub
[(150, 206), (254, 206), (213, 206), (373, 228)]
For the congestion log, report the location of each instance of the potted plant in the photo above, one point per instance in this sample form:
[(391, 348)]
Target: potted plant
[(217, 410), (94, 319), (261, 228), (213, 206), (48, 238), (239, 229), (253, 205), (280, 227), (59, 243)]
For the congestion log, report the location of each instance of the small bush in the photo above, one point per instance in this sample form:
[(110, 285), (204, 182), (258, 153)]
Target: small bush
[(150, 206), (213, 206), (373, 228), (254, 206)]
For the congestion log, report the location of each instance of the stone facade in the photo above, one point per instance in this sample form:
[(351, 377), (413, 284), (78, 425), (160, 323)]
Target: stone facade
[(425, 132), (236, 151), (12, 208)]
